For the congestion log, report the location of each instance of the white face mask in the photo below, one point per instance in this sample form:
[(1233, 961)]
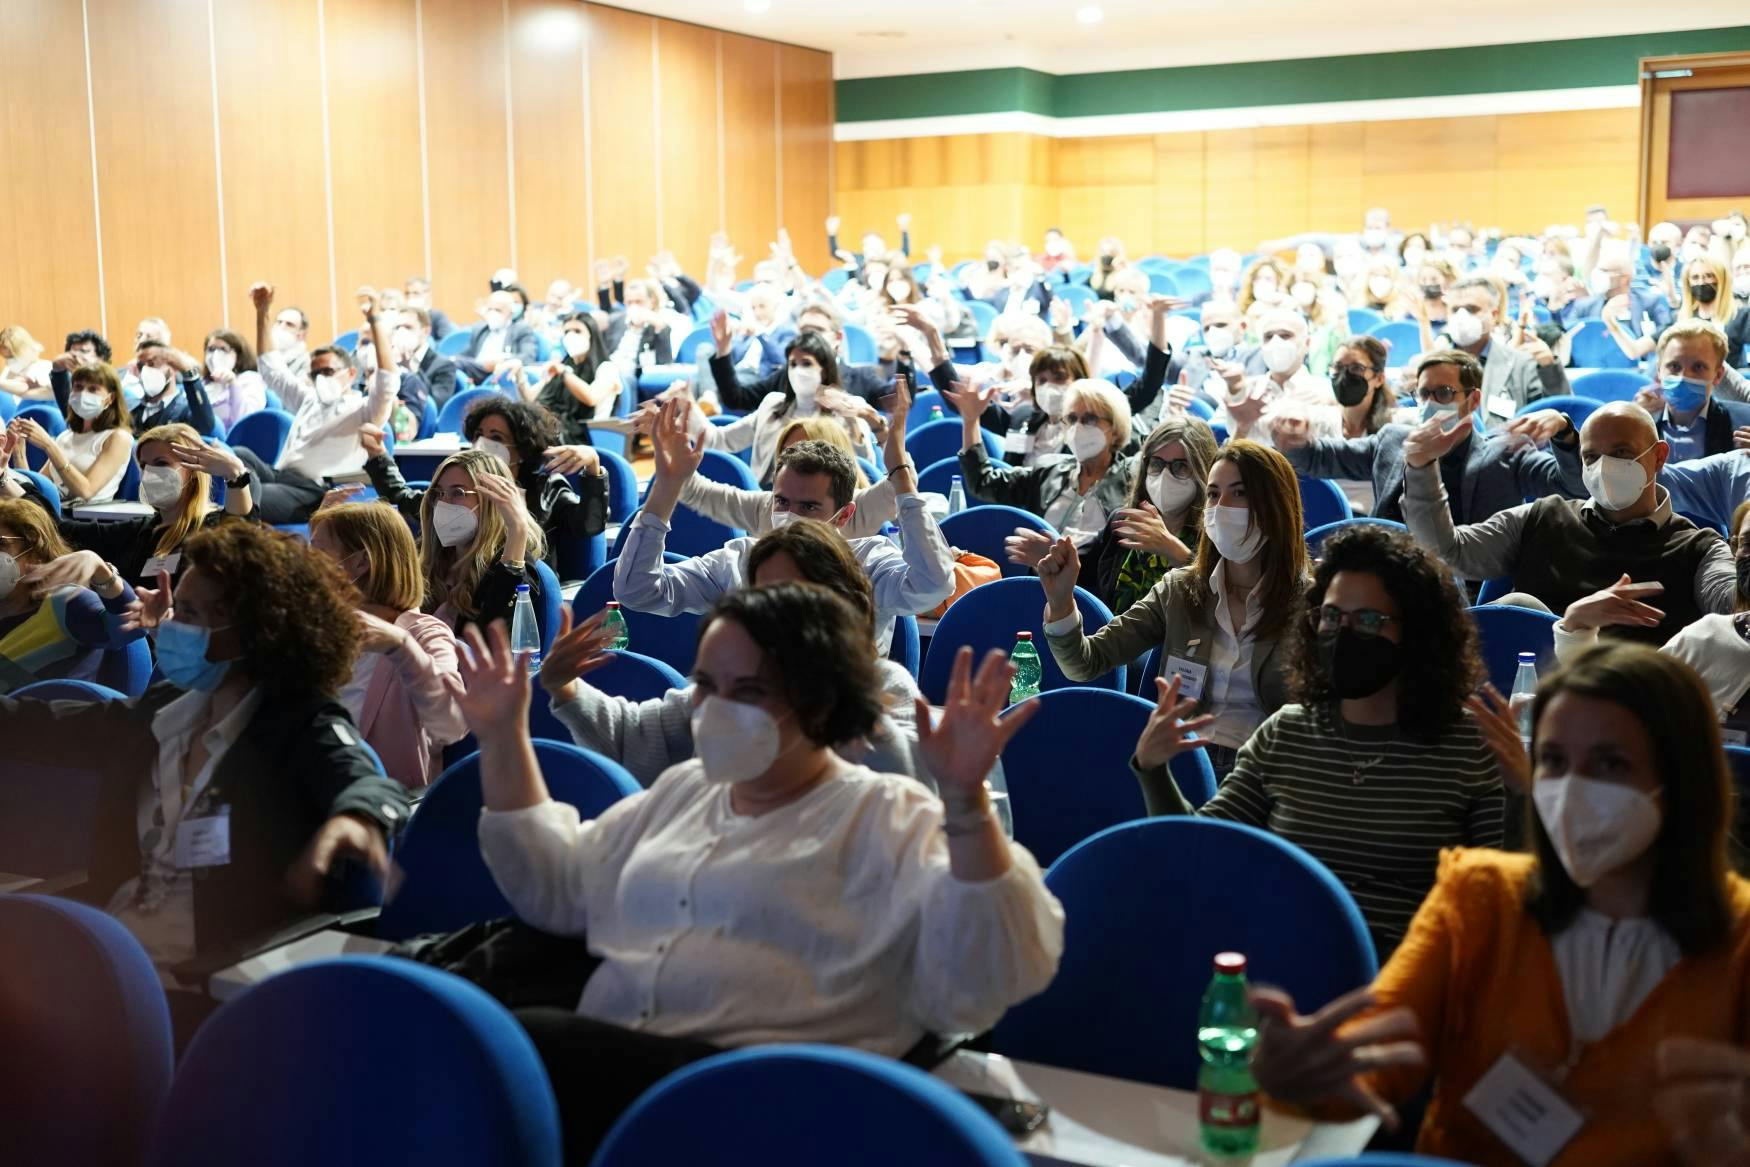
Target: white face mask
[(220, 361), (1226, 528), (1086, 442), (9, 573), (1170, 495), (1600, 282), (576, 344), (1543, 287), (1414, 256), (1048, 395), (366, 357), (1615, 483), (89, 403), (805, 381), (160, 486), (1264, 289), (284, 339), (153, 380), (1595, 827), (406, 341), (494, 447), (329, 388), (1304, 294), (1219, 340), (453, 523), (495, 319), (1465, 328), (1281, 355), (1381, 287), (734, 741)]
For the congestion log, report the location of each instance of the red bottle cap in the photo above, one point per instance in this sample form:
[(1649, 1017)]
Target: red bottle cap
[(614, 605), (1232, 964), (1023, 636)]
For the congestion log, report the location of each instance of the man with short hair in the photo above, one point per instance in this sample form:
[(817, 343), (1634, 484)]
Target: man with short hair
[(1513, 375), (151, 330), (415, 354), (1630, 311), (291, 338), (1288, 385), (499, 338), (417, 292), (1690, 415)]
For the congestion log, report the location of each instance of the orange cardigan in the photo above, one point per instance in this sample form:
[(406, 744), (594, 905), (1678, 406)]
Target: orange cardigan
[(1481, 978)]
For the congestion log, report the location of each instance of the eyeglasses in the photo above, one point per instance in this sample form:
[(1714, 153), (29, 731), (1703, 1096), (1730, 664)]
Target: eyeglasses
[(1178, 467), (1366, 621), (1439, 394), (1740, 546), (1085, 419), (455, 494), (1358, 370)]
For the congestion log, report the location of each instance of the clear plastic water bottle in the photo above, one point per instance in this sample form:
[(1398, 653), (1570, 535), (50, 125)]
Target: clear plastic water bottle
[(525, 633), (615, 626), (998, 788), (1028, 671), (936, 413), (1524, 691), (1227, 1032), (956, 495)]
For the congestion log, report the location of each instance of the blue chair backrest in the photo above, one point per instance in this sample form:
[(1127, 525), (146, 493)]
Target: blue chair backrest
[(921, 405), (455, 344), (88, 1055), (988, 617), (427, 420), (1322, 502), (47, 415), (689, 533), (720, 466), (899, 1115), (455, 410), (1193, 281), (905, 645), (1590, 346), (1161, 283), (938, 476), (983, 315), (483, 1094), (1403, 341), (346, 340), (859, 345), (67, 689), (1147, 906), (446, 884), (1365, 319), (127, 670), (688, 352), (1504, 632), (1491, 590), (1738, 758), (1383, 1159), (1051, 814), (1316, 536), (51, 493), (835, 279), (263, 431), (549, 603), (1577, 408), (982, 529), (627, 674), (935, 440), (1610, 384), (622, 485), (1077, 296), (129, 487), (673, 640)]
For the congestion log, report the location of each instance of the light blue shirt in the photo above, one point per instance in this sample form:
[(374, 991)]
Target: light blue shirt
[(1709, 488), (1687, 442)]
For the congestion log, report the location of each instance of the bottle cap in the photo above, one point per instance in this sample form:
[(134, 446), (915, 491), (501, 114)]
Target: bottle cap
[(954, 478), (1231, 964), (1528, 658), (613, 605), (1028, 636), (521, 588)]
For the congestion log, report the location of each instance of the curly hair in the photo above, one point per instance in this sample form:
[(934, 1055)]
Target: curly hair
[(291, 606), (532, 430), (1432, 619), (86, 336)]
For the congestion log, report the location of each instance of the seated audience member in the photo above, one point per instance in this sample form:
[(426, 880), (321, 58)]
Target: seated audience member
[(417, 356), (499, 338), (1217, 622), (1365, 405), (874, 246), (416, 293), (476, 535), (24, 374), (256, 646), (811, 387), (1375, 767), (60, 609), (1262, 282), (1288, 386), (1076, 492), (831, 865), (1558, 550), (233, 387), (745, 389), (404, 684), (1623, 930), (1206, 369), (326, 417), (86, 348), (1482, 473), (813, 481), (581, 385), (150, 330), (1513, 375), (524, 438), (649, 325), (1630, 312), (87, 459), (1691, 416), (290, 338), (1709, 489), (171, 390)]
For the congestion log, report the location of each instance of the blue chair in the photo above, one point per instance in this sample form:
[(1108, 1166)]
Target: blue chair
[(1191, 770), (1220, 432), (842, 1106), (1504, 632), (88, 1055), (1590, 346), (935, 440), (1577, 409), (455, 344), (622, 485), (1403, 341), (1365, 319), (938, 476), (983, 315), (549, 603), (922, 405), (8, 406), (726, 468), (1161, 283), (982, 529), (129, 487), (988, 617), (264, 431), (127, 670), (1610, 384), (1148, 905), (455, 410), (1077, 296), (673, 640), (50, 492), (1738, 758), (66, 689), (859, 345), (835, 280), (1493, 589), (627, 674), (446, 884), (427, 420), (1066, 787), (688, 352), (905, 647), (1316, 536), (689, 533), (347, 340), (45, 414), (1193, 281), (1322, 502), (609, 441), (483, 1096)]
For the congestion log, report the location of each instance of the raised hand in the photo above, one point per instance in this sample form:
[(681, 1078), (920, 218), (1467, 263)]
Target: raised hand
[(505, 497), (1142, 529), (1180, 396), (367, 300), (1431, 441), (904, 221), (74, 570), (340, 496), (261, 295), (575, 651), (1303, 1060), (151, 606), (1172, 727), (969, 400), (720, 332), (972, 733), (495, 684), (1540, 425), (1028, 546), (1057, 574), (1058, 315), (893, 449), (832, 224), (571, 460), (1618, 604), (1500, 728), (371, 438), (678, 454), (215, 460)]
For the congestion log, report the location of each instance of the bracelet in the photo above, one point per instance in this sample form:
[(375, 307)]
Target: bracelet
[(243, 480), (905, 465), (969, 816)]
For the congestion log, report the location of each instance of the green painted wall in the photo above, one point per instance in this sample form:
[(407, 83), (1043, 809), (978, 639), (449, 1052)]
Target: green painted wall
[(1427, 73)]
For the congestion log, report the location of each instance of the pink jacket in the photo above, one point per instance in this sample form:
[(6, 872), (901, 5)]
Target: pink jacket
[(410, 712)]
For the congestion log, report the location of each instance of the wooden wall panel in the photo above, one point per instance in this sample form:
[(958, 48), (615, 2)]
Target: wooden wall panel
[(547, 57), (622, 86), (152, 89), (48, 282), (750, 145), (379, 220), (270, 133), (1179, 196), (692, 174), (806, 141), (468, 148)]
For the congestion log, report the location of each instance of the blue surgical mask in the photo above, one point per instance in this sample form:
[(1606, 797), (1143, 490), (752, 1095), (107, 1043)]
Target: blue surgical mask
[(1433, 409), (182, 657), (1683, 394)]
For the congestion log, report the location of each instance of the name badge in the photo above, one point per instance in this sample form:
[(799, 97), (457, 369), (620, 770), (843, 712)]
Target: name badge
[(1734, 737), (1191, 676), (1501, 405), (204, 842), (160, 563), (1523, 1111), (1018, 442)]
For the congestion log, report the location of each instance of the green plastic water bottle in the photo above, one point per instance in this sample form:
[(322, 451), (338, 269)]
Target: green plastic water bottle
[(1227, 1032), (936, 413), (1025, 658), (615, 626)]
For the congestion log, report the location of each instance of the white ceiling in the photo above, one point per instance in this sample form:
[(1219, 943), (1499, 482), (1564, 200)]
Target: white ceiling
[(931, 36)]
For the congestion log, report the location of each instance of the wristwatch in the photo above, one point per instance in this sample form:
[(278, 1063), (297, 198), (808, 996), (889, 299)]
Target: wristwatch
[(242, 480)]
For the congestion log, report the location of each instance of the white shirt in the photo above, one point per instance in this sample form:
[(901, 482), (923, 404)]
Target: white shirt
[(760, 430), (83, 450), (1607, 968), (833, 919), (1228, 689), (324, 440), (492, 344), (157, 906), (1713, 647)]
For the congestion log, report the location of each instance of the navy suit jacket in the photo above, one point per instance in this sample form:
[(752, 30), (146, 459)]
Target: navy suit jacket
[(519, 342), (1722, 418)]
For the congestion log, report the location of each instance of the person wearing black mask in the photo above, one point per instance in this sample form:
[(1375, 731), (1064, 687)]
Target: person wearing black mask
[(1375, 767)]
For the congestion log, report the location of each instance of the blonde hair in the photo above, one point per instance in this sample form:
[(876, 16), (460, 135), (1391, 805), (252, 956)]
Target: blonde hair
[(823, 428), (452, 573), (35, 526), (1251, 274), (1697, 328), (19, 343), (1108, 400), (1723, 307), (393, 575), (196, 501)]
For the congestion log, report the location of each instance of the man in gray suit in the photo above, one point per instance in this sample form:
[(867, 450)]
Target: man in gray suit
[(1513, 375), (1483, 473), (498, 339)]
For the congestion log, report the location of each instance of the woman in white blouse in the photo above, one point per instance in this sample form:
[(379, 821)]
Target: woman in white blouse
[(768, 890), (88, 458), (811, 390)]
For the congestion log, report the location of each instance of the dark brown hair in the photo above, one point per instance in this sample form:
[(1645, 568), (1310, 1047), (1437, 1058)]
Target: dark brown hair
[(1470, 370), (244, 350), (1273, 500), (823, 557), (1058, 361), (115, 415), (1374, 350), (816, 457)]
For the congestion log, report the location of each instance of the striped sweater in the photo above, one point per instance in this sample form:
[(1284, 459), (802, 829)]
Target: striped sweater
[(1369, 802)]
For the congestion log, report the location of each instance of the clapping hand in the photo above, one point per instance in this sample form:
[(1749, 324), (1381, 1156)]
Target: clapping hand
[(1500, 727), (1431, 441), (1304, 1060), (151, 606), (575, 651), (495, 684), (30, 430), (972, 733)]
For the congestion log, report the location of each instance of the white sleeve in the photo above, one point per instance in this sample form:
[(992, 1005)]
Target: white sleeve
[(548, 863), (290, 388), (921, 576)]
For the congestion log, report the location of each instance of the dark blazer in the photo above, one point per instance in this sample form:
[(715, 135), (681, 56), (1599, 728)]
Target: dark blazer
[(131, 542), (186, 402), (441, 325), (439, 373), (295, 766), (1497, 474), (743, 390), (519, 342), (1722, 418)]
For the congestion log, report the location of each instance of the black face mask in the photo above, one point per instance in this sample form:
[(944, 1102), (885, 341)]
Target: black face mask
[(1743, 566), (1661, 253), (1432, 291), (1703, 293), (1358, 665), (1350, 387)]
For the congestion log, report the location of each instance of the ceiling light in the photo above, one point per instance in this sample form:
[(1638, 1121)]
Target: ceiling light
[(757, 6), (1092, 14)]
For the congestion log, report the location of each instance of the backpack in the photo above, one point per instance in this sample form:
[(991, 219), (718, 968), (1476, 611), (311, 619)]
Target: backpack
[(969, 571)]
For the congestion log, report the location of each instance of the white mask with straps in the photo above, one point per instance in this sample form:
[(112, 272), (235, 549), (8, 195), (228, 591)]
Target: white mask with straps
[(734, 741), (1595, 826), (1615, 483), (453, 524), (1227, 529)]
